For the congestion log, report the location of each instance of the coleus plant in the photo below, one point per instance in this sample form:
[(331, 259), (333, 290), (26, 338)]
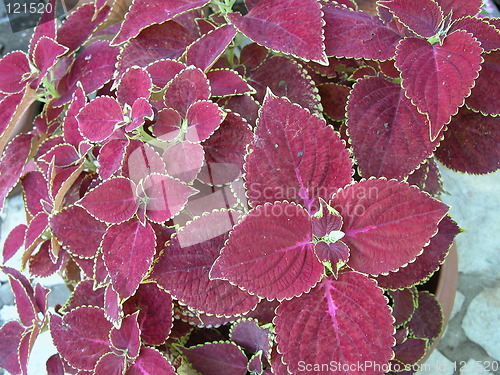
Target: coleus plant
[(233, 193)]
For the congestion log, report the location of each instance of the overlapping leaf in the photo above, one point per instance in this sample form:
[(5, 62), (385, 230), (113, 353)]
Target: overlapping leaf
[(227, 82), (150, 362), (217, 358), (134, 84), (487, 34), (14, 67), (460, 8), (203, 117), (486, 93), (184, 160), (97, 120)]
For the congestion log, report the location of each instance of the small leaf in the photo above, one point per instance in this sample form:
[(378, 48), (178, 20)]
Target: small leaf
[(46, 54), (70, 125), (13, 242), (427, 321), (271, 24), (41, 264), (460, 8), (98, 119), (217, 358), (126, 338), (11, 334), (128, 250), (203, 117), (386, 223), (226, 82), (135, 83), (487, 34), (183, 160), (167, 125), (424, 17), (437, 78), (205, 51), (486, 94), (427, 177), (270, 253), (36, 194), (15, 71), (112, 306), (162, 71), (144, 13), (336, 313), (471, 142), (113, 201), (248, 335), (111, 157), (85, 294), (150, 362), (81, 336), (334, 100), (36, 227), (410, 351), (140, 161), (110, 364), (404, 303), (54, 365)]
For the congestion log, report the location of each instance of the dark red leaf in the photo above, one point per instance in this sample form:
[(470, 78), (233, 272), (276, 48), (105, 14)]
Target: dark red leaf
[(61, 155), (13, 242), (98, 119), (356, 34), (111, 156), (144, 13), (487, 34), (247, 334), (334, 100), (226, 82), (54, 365), (471, 142), (272, 24), (135, 83), (404, 303), (15, 72), (437, 78), (85, 294), (460, 8), (11, 334), (36, 193), (140, 161), (287, 163), (126, 338), (270, 253), (150, 362), (409, 352), (110, 364), (205, 51), (36, 227), (427, 177), (81, 336), (128, 251), (167, 125), (70, 125), (245, 105), (203, 117), (183, 160), (427, 321), (386, 223), (41, 263), (162, 71), (253, 55), (217, 358), (485, 95), (336, 313)]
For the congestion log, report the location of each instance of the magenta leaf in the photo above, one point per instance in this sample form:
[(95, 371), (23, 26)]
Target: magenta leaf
[(272, 24), (217, 358), (162, 71), (427, 177), (155, 312), (150, 362), (377, 106), (112, 306), (36, 194), (404, 303), (167, 125), (270, 253), (144, 13), (460, 8), (45, 55), (98, 119), (336, 313), (203, 117), (81, 336), (427, 321), (165, 196), (141, 110), (356, 34), (70, 126), (438, 77), (180, 99), (226, 82), (13, 242), (111, 156), (134, 84), (54, 365), (15, 71), (487, 34), (128, 250), (126, 338), (11, 334), (485, 94), (409, 352), (184, 268), (36, 227), (42, 264), (85, 294), (247, 334), (470, 144), (424, 17), (110, 364), (140, 161), (184, 160), (334, 99), (205, 51), (113, 201), (290, 165), (61, 155), (386, 223)]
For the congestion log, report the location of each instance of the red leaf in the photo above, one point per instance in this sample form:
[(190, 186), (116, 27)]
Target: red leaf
[(427, 177), (247, 334), (155, 312), (141, 110), (13, 242), (112, 306), (150, 362), (179, 98), (15, 72), (11, 334), (111, 156), (244, 105), (62, 155), (424, 17), (128, 250), (460, 8), (36, 228), (205, 51), (226, 82), (350, 33), (270, 253), (183, 160), (126, 338), (41, 264), (487, 34), (471, 142), (386, 223), (427, 321), (299, 32), (84, 294), (24, 297), (140, 161), (81, 336), (437, 78), (409, 352), (70, 125), (286, 163), (379, 107), (203, 117), (36, 194), (404, 303), (144, 13), (167, 125), (217, 358), (166, 196), (485, 95), (135, 83), (337, 313), (93, 68), (334, 99), (54, 365), (110, 364), (113, 201), (184, 267), (98, 119), (162, 71), (46, 54)]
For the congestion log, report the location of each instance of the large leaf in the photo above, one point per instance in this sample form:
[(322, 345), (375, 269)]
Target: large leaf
[(438, 78), (98, 119), (389, 136), (287, 163), (270, 253), (485, 95), (345, 321), (81, 336), (386, 223), (487, 34), (217, 358), (14, 67), (356, 34), (128, 251), (291, 26), (471, 143), (184, 268)]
